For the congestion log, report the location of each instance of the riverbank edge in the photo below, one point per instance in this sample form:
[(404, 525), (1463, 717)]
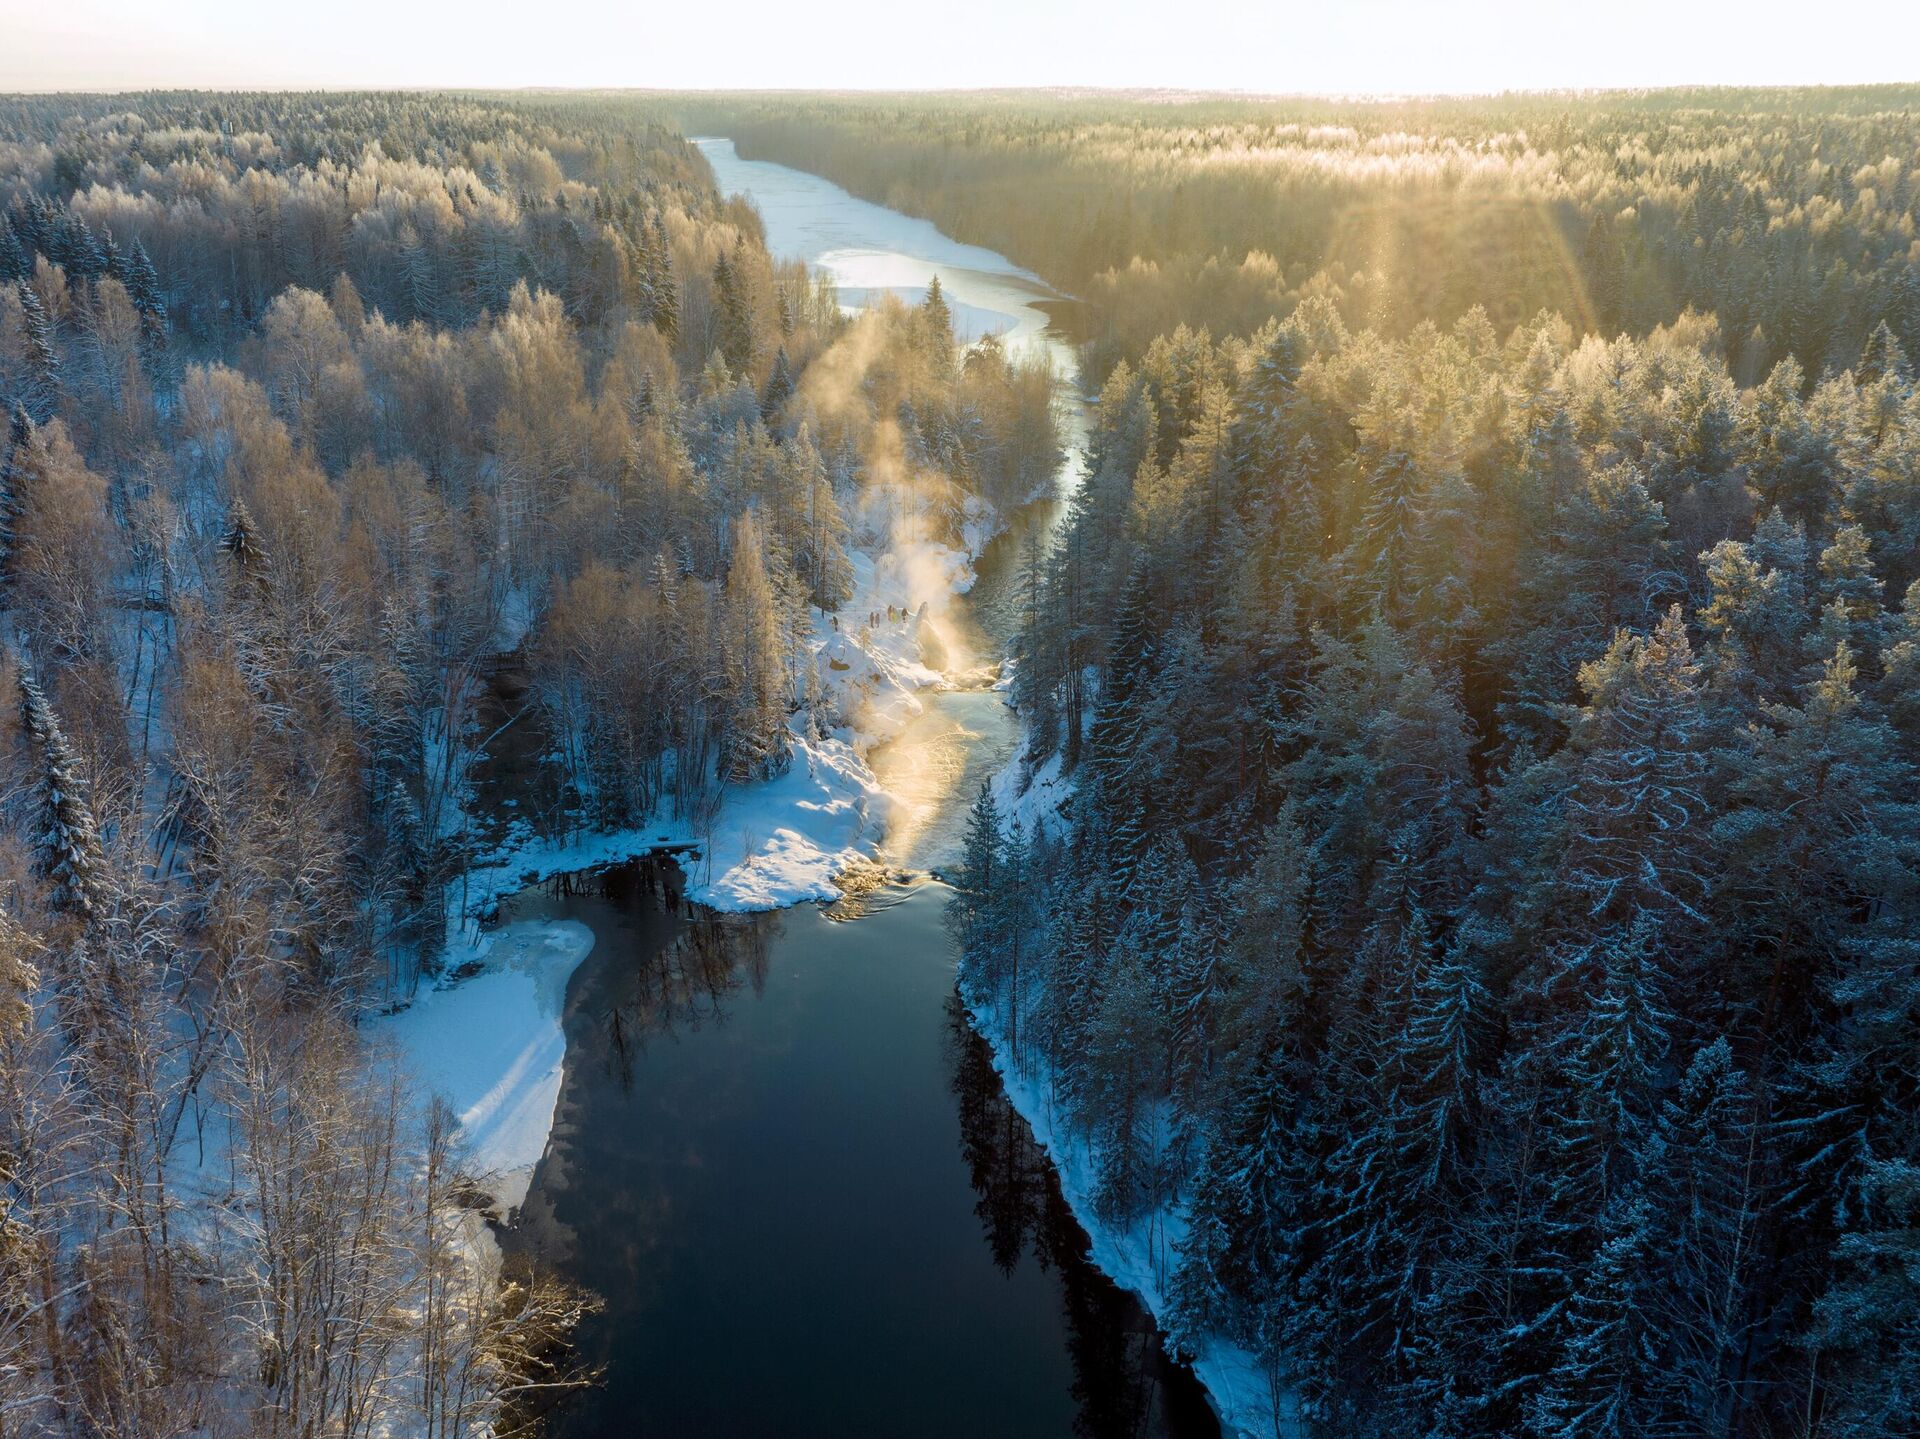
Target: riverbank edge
[(777, 843), (1134, 1256)]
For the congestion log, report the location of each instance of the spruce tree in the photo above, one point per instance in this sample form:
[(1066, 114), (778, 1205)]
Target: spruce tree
[(143, 287), (755, 739), (67, 849), (1867, 1323), (666, 294), (1703, 1187), (735, 316), (42, 390), (15, 265), (16, 475), (1883, 358), (1598, 1387), (971, 911), (937, 319), (1393, 528), (779, 387), (1122, 790), (243, 541)]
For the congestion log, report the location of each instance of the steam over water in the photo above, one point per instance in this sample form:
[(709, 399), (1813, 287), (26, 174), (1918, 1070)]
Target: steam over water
[(782, 1155), (935, 766)]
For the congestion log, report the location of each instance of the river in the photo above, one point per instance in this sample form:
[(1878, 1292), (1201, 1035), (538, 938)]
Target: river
[(781, 1155)]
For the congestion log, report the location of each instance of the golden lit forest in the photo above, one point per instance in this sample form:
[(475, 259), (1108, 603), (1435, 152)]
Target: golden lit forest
[(1405, 616), (1787, 214)]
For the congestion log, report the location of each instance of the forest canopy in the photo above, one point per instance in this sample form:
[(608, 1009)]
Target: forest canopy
[(385, 481), (1479, 666), (1460, 877), (1788, 214)]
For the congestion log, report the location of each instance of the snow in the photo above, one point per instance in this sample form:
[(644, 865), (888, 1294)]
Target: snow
[(492, 1044), (1138, 1255), (1032, 797), (516, 619)]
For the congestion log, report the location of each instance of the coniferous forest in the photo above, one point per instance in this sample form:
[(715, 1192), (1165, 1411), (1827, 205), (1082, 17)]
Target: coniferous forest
[(1486, 906), (1458, 881)]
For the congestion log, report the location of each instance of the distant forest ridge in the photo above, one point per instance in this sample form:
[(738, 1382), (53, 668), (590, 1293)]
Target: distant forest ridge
[(1788, 213)]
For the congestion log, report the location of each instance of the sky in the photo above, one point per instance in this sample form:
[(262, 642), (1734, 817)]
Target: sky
[(1268, 46)]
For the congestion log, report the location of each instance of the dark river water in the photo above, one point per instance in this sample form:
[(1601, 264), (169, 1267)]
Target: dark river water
[(783, 1159)]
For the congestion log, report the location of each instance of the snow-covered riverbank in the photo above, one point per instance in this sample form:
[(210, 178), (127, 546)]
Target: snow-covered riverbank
[(1137, 1256), (775, 844), (490, 1040), (1250, 1401)]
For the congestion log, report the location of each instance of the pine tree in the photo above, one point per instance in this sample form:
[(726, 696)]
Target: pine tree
[(16, 473), (41, 395), (1852, 592), (68, 850), (1757, 617), (779, 388), (1900, 668)]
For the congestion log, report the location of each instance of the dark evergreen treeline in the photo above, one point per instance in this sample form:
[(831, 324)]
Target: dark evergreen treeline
[(1788, 213), (1484, 919)]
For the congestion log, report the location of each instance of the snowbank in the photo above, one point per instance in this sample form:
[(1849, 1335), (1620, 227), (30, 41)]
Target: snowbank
[(492, 1045), (1033, 799), (772, 844), (781, 841), (1137, 1256)]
